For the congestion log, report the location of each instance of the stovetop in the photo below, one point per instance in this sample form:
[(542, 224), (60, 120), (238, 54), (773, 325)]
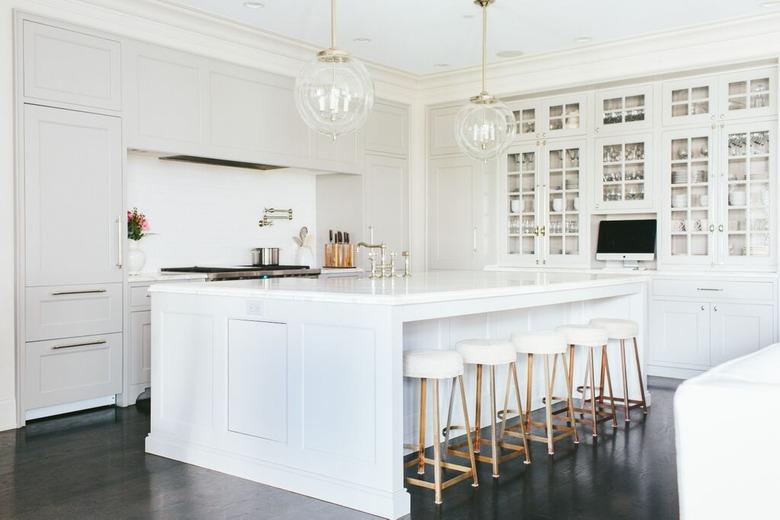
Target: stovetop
[(238, 268)]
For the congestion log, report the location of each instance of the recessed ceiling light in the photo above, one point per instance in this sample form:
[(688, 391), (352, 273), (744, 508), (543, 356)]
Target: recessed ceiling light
[(770, 4), (362, 39), (509, 54), (583, 39), (441, 65), (254, 5)]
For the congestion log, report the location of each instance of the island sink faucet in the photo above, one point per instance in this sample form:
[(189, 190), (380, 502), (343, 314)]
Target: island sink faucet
[(385, 268)]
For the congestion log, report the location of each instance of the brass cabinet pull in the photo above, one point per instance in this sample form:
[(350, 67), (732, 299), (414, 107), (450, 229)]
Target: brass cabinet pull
[(92, 291), (85, 344), (708, 289), (119, 241)]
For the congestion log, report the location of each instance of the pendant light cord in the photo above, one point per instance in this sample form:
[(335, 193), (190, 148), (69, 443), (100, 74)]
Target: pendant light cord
[(332, 24), (484, 43)]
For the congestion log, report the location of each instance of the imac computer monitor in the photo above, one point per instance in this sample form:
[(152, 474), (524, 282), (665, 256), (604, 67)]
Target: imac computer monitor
[(626, 241)]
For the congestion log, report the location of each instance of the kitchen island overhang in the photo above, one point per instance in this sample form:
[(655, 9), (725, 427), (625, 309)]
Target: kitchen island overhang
[(298, 383)]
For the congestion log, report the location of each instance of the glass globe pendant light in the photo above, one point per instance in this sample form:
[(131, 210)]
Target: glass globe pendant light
[(334, 93), (484, 127)]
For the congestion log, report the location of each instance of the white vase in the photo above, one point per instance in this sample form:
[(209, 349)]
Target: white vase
[(135, 257), (304, 256)]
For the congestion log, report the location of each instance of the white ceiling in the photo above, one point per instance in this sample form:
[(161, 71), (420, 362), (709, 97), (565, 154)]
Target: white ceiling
[(416, 35)]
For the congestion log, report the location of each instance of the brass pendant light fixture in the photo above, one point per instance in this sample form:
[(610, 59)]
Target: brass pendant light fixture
[(334, 93), (485, 126)]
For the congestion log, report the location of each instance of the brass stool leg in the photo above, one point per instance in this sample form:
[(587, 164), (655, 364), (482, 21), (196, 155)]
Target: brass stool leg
[(592, 374), (548, 405), (605, 363), (639, 373), (494, 437), (436, 444), (570, 399), (601, 378), (625, 380), (505, 409), (421, 445), (449, 418), (478, 410), (523, 431), (529, 392), (472, 458)]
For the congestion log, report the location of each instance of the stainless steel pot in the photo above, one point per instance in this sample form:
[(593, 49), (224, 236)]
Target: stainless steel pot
[(265, 256)]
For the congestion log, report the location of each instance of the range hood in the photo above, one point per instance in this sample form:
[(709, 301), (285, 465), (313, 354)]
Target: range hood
[(220, 162)]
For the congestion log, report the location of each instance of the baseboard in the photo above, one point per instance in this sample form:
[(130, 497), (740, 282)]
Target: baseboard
[(8, 415)]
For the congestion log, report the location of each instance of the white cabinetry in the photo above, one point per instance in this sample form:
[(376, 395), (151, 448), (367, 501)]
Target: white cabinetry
[(70, 67), (698, 323), (544, 209), (456, 214), (623, 178), (751, 93), (690, 101), (564, 116), (624, 109), (441, 125), (74, 217), (386, 189), (387, 129)]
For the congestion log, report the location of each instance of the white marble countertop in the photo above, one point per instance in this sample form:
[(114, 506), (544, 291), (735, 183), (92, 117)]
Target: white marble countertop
[(704, 272), (155, 277), (425, 287)]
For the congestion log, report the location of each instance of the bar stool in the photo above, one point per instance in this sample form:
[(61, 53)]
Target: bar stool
[(437, 365), (547, 343), (591, 338), (490, 353), (622, 330)]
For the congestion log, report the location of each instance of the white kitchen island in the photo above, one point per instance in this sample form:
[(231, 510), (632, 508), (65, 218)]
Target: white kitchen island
[(297, 383)]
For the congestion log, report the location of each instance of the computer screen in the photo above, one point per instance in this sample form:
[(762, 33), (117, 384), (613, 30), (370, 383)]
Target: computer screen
[(626, 237)]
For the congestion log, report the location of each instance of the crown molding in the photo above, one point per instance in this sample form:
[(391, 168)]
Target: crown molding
[(190, 30), (723, 43)]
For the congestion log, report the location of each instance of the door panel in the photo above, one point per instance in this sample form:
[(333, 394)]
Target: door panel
[(680, 334), (739, 329), (387, 201), (452, 234), (74, 218)]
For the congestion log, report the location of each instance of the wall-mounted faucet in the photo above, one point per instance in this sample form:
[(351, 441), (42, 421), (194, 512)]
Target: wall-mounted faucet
[(271, 214)]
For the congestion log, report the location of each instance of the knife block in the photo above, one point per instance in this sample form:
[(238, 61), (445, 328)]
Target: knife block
[(339, 255)]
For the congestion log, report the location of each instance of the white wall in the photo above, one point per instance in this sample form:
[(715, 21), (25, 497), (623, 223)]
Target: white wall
[(207, 215)]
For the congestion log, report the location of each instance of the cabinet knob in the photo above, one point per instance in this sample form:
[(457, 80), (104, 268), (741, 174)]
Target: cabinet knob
[(715, 308), (702, 307)]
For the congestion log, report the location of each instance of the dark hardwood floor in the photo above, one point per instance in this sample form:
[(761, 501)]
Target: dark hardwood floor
[(92, 466)]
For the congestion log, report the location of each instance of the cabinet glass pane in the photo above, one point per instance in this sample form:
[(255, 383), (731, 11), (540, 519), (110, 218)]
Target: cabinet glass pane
[(748, 201), (747, 94), (521, 192), (623, 172), (526, 121), (690, 101), (624, 109), (566, 116), (689, 170), (564, 202)]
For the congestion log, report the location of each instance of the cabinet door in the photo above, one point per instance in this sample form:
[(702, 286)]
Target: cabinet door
[(167, 96), (688, 198), (564, 181), (624, 173), (680, 334), (691, 101), (386, 188), (452, 227), (73, 369), (441, 125), (74, 218), (746, 224), (521, 204), (140, 347), (345, 154), (71, 67), (624, 109), (528, 115), (739, 329), (750, 93), (564, 116), (387, 129)]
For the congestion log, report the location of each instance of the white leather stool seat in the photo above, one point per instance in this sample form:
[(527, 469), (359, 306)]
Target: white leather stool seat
[(432, 364), (540, 342), (584, 335), (487, 351), (617, 329)]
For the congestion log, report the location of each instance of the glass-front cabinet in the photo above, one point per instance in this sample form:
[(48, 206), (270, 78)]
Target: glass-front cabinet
[(623, 109), (564, 116), (748, 94), (623, 180), (690, 101), (527, 116), (718, 191), (545, 223)]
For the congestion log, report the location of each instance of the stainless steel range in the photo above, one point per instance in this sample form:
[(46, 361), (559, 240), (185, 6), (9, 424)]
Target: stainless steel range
[(248, 272)]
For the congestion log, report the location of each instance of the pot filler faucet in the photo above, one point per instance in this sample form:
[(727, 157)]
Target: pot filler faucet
[(385, 268)]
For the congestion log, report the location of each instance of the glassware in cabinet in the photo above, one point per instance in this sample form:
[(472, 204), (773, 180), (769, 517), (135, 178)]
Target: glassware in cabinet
[(748, 156), (521, 206), (564, 218), (624, 108), (688, 197), (748, 93), (623, 176), (690, 101), (564, 115), (527, 116)]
